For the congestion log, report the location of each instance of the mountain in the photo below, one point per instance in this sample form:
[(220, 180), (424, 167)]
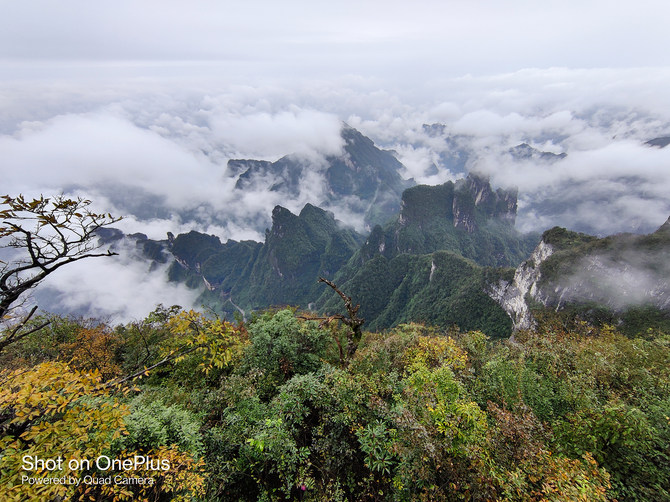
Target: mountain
[(526, 152), (446, 259), (661, 142), (298, 249), (434, 262), (467, 217), (441, 288), (364, 179), (622, 279)]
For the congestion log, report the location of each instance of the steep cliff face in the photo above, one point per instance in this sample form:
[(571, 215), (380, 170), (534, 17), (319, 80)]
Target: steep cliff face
[(611, 279), (511, 296), (467, 217), (467, 204), (474, 195), (298, 249)]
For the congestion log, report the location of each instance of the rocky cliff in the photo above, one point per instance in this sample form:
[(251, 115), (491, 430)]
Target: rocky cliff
[(602, 279), (512, 295), (467, 217)]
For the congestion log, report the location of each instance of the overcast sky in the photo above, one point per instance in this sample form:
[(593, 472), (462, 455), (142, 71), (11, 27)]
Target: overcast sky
[(131, 102), (395, 40)]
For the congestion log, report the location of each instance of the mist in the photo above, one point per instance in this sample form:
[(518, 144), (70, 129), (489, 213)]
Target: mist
[(629, 279), (119, 288), (140, 109)]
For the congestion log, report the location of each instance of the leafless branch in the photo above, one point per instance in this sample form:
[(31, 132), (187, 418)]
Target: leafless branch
[(352, 320), (52, 233)]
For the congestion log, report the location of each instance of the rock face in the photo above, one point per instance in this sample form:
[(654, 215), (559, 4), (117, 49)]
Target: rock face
[(526, 152), (661, 142), (512, 295), (606, 277), (467, 217), (468, 204), (474, 193)]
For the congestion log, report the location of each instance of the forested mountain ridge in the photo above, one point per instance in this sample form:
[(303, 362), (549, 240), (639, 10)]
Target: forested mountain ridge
[(444, 260), (461, 225), (467, 217), (432, 264), (298, 249), (436, 254)]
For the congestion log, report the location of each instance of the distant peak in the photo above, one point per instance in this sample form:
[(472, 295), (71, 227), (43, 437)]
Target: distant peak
[(665, 228), (661, 142), (526, 152)]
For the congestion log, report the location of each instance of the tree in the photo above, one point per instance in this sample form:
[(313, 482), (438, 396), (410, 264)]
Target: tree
[(41, 236), (353, 322), (50, 411)]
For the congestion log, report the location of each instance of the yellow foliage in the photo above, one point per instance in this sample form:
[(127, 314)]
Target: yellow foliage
[(563, 479), (51, 412), (183, 480), (435, 351), (217, 342), (94, 349)]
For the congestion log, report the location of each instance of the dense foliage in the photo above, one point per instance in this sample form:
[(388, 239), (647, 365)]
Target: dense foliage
[(441, 289), (268, 410)]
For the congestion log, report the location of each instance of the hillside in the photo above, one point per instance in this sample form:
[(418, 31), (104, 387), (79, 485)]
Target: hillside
[(427, 264)]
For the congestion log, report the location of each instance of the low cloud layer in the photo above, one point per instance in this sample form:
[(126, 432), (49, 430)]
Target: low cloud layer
[(121, 288), (156, 150)]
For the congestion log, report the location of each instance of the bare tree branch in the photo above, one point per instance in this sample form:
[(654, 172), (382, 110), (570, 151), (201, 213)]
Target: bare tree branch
[(46, 234), (352, 321)]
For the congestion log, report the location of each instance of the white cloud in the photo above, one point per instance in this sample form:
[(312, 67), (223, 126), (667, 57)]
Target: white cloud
[(139, 106), (121, 286), (270, 136)]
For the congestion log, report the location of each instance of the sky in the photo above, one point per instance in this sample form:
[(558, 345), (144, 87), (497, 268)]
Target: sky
[(327, 39), (140, 104)]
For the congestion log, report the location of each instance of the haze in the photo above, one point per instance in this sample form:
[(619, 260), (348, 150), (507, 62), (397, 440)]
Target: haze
[(139, 105)]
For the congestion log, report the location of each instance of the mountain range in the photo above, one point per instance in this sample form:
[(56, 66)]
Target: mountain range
[(445, 255), (363, 178)]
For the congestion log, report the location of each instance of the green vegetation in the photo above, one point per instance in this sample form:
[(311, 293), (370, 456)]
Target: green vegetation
[(447, 217), (290, 406), (267, 410), (388, 272), (441, 288)]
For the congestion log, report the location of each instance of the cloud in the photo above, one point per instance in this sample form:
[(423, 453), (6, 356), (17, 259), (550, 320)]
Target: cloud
[(171, 166), (98, 149), (121, 287), (389, 39), (626, 279), (151, 142), (621, 186), (270, 136), (161, 156)]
